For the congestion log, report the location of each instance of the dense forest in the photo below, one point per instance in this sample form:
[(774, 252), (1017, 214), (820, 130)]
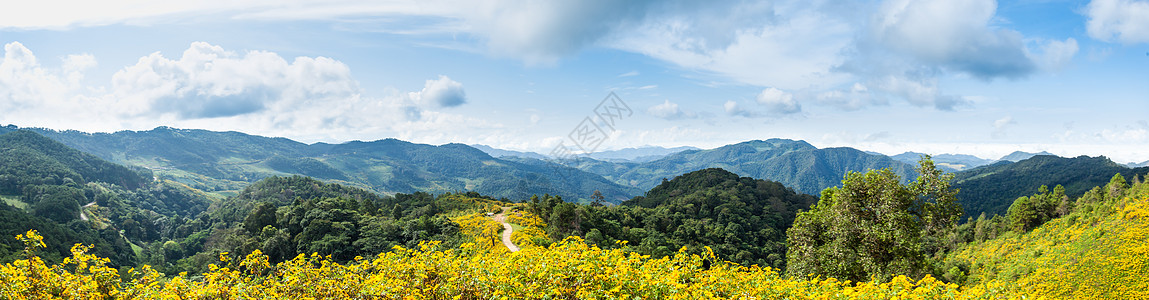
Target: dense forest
[(742, 219), (991, 189)]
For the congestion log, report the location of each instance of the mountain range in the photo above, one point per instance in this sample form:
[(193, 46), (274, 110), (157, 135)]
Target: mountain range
[(224, 163), (796, 164)]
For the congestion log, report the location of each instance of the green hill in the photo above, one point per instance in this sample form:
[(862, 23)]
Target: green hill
[(287, 216), (29, 158), (226, 162), (81, 198), (1096, 252), (742, 219), (991, 189)]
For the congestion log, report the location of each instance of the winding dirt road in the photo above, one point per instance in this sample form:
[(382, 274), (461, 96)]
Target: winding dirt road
[(507, 230)]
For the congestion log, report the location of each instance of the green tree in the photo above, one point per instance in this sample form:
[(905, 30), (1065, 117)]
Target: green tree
[(872, 226)]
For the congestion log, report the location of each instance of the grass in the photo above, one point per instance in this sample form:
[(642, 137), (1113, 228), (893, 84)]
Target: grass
[(14, 201)]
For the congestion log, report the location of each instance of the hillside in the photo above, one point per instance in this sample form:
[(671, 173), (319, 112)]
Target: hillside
[(226, 162), (80, 198), (795, 164), (29, 158), (991, 189), (1098, 252), (287, 216), (742, 219)]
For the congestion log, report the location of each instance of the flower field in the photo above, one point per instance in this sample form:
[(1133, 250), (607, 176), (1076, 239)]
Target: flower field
[(1098, 252)]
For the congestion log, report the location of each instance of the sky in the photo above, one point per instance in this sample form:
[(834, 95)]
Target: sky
[(936, 76)]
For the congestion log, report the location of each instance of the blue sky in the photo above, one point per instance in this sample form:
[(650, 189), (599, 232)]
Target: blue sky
[(937, 76)]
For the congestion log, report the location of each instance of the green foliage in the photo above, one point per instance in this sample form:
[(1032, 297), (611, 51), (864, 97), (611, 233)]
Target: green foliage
[(286, 216), (742, 219), (872, 227), (54, 181), (27, 158), (1026, 213)]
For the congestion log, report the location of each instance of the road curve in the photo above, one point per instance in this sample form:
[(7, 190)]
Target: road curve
[(507, 230)]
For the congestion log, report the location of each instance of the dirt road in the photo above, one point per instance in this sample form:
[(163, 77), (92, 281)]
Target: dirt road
[(507, 230)]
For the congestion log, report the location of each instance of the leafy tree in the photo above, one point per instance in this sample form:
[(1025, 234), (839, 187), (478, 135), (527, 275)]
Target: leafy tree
[(872, 226)]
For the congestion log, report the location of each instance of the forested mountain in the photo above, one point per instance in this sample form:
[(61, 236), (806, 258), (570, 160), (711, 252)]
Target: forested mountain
[(80, 198), (795, 164), (991, 189), (742, 219), (226, 162), (947, 162), (287, 216)]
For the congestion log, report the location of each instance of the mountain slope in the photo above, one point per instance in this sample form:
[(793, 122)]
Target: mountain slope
[(1096, 252), (744, 220), (991, 189), (795, 164), (225, 162), (30, 158)]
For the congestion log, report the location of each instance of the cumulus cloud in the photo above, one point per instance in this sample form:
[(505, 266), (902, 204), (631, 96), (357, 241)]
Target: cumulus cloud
[(25, 83), (858, 96), (734, 109), (953, 34), (308, 98), (1054, 55), (441, 92), (668, 110), (921, 90), (1125, 21), (209, 82), (778, 101)]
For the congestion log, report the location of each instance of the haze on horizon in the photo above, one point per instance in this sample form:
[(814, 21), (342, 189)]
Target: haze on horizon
[(936, 76)]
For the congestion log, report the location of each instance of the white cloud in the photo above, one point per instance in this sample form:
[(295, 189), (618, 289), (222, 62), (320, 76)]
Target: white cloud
[(778, 101), (308, 99), (1055, 55), (441, 92), (629, 74), (668, 110), (858, 96), (922, 91), (1000, 125), (26, 84), (1125, 21), (732, 108), (955, 34), (208, 82)]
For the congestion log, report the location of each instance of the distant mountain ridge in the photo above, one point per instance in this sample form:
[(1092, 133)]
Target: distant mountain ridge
[(946, 162), (796, 164), (226, 162), (1021, 155), (640, 154)]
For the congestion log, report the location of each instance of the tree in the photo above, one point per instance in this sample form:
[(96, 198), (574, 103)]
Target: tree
[(596, 198), (872, 226)]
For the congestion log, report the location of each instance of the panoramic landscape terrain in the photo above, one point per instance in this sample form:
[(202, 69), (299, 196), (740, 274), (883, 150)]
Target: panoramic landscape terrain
[(506, 149)]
